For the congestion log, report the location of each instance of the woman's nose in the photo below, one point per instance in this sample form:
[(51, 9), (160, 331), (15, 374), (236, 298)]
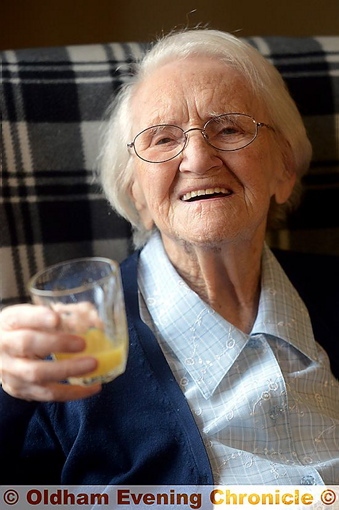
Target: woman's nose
[(198, 156)]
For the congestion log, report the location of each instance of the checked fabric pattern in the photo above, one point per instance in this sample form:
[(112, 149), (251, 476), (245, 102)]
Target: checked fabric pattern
[(53, 102)]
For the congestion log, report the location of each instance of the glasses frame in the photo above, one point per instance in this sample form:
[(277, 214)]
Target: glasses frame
[(258, 125)]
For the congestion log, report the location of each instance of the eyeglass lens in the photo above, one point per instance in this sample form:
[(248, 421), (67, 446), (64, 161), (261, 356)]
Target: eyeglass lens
[(226, 132)]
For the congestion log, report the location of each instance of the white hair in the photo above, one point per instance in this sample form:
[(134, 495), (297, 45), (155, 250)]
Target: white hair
[(268, 86)]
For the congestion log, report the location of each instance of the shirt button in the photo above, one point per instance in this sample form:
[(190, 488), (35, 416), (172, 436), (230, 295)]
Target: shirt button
[(230, 343), (308, 480), (184, 381)]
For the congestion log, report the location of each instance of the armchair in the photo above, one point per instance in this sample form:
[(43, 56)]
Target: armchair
[(53, 102)]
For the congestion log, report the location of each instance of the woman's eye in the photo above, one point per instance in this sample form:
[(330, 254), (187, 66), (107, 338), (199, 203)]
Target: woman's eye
[(163, 141), (229, 130)]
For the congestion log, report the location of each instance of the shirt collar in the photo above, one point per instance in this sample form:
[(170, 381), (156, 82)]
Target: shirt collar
[(206, 344), (281, 312)]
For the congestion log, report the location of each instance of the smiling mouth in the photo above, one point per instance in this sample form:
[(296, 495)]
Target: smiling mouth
[(205, 194)]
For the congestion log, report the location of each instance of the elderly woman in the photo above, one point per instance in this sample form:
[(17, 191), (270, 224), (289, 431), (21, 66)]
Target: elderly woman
[(225, 381)]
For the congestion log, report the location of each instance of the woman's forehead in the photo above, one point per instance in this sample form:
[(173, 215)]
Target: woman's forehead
[(197, 85)]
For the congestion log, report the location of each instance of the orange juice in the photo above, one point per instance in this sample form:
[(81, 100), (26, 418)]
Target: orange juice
[(111, 358)]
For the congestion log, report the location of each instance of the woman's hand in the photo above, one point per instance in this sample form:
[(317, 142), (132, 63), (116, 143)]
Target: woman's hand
[(28, 334)]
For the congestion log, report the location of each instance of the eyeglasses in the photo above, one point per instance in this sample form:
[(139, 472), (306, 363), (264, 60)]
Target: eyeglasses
[(227, 132)]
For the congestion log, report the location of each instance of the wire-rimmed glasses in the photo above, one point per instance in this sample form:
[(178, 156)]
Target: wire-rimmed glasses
[(227, 132)]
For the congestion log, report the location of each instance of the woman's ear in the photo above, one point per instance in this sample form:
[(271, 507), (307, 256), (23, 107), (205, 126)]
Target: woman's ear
[(285, 186), (285, 173), (141, 205)]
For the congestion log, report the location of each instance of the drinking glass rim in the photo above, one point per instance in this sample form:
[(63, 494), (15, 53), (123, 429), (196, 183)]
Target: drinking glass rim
[(58, 293)]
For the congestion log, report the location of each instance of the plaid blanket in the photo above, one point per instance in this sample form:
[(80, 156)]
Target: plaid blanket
[(53, 100)]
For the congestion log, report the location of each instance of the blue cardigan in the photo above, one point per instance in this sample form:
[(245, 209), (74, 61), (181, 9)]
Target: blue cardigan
[(139, 429)]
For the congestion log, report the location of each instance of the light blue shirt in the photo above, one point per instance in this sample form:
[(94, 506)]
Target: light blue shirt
[(266, 404)]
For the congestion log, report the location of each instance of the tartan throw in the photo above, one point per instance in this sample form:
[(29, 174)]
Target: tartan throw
[(53, 100)]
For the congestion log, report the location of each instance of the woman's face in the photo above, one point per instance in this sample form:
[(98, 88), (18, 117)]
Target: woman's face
[(188, 93)]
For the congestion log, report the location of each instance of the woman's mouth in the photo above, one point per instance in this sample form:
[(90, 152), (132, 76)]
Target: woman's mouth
[(203, 194)]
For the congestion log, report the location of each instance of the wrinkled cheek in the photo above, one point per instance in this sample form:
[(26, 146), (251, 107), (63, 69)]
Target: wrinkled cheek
[(161, 212), (259, 193)]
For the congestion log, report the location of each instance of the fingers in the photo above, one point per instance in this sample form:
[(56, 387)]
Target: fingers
[(28, 316), (39, 380), (30, 333), (44, 371), (26, 343)]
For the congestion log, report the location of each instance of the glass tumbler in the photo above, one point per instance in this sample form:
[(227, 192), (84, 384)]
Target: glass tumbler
[(87, 294)]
